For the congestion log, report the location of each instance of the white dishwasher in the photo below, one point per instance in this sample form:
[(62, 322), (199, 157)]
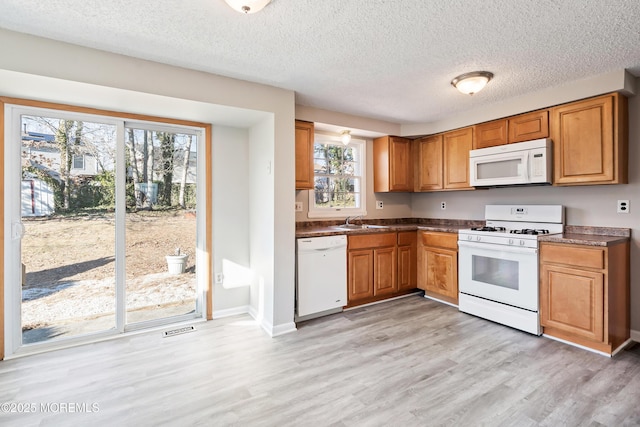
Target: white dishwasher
[(321, 280)]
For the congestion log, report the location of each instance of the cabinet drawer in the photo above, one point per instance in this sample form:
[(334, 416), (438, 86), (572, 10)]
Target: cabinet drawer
[(372, 241), (573, 255), (439, 240), (407, 238)]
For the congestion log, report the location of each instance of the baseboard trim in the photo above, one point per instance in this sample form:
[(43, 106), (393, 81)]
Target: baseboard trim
[(440, 301), (219, 314), (272, 331), (573, 344), (285, 328), (383, 300), (635, 335)]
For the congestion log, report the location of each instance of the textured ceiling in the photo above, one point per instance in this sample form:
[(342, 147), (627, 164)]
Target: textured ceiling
[(385, 59)]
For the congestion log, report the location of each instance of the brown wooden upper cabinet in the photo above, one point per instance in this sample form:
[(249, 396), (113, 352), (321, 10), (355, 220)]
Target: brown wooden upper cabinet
[(456, 145), (392, 166), (442, 161), (525, 127), (304, 155), (590, 141), (428, 163)]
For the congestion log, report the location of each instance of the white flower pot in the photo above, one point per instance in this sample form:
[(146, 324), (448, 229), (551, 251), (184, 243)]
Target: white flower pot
[(176, 263)]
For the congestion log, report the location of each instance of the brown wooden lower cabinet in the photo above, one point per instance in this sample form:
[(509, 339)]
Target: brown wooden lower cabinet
[(407, 260), (438, 265), (584, 294), (379, 266)]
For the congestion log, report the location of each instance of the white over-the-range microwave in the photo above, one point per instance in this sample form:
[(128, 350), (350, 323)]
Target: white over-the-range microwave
[(520, 163)]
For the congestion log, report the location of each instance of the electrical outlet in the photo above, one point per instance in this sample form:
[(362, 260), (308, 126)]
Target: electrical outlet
[(443, 205), (379, 204), (219, 278), (623, 206), (298, 206)]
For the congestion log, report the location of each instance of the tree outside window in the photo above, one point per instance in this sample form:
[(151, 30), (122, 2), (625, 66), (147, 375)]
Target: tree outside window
[(338, 178)]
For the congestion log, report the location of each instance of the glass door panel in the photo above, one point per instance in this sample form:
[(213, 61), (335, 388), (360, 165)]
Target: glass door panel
[(67, 211), (160, 224)]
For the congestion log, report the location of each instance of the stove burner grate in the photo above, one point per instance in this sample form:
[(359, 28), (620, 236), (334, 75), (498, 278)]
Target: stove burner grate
[(530, 231), (485, 228)]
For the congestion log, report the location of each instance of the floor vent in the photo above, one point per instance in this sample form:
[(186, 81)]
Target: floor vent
[(178, 331)]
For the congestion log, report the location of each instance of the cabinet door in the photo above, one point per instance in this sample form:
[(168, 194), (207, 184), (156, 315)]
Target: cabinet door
[(384, 271), (400, 167), (438, 273), (407, 259), (429, 163), (526, 127), (490, 134), (572, 300), (457, 145), (392, 167), (304, 155), (360, 272), (583, 138), (442, 273)]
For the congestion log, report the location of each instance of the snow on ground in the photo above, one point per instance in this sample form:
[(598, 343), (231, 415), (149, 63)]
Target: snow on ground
[(77, 300)]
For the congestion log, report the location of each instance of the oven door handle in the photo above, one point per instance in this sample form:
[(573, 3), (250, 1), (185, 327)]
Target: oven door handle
[(491, 246)]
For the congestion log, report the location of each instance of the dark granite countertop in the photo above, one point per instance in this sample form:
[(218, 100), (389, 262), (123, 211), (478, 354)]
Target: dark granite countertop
[(590, 236), (577, 235), (328, 228)]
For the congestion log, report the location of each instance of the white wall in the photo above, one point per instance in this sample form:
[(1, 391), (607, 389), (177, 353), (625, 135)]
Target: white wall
[(231, 218), (42, 69)]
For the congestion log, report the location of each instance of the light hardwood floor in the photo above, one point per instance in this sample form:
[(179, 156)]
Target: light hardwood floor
[(408, 362)]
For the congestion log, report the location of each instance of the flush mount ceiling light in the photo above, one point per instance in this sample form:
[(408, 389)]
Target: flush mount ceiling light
[(345, 137), (247, 6), (470, 83)]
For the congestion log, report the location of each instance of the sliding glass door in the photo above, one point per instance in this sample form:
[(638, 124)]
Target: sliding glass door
[(161, 224), (102, 215)]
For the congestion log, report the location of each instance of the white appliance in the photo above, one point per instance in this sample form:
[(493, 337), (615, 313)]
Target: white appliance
[(498, 264), (321, 280), (522, 163)]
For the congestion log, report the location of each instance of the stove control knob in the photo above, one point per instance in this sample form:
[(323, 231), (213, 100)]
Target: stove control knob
[(521, 242), (469, 237), (478, 238), (511, 241)]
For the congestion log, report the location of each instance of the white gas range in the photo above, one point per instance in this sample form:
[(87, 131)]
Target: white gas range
[(498, 264)]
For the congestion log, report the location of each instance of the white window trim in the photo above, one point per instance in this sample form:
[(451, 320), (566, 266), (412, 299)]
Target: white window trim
[(343, 212), (83, 161)]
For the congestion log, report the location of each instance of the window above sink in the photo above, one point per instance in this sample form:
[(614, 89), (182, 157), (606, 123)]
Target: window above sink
[(339, 178)]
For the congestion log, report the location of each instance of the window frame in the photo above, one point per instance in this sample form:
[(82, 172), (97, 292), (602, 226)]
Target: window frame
[(13, 107), (315, 212), (78, 156)]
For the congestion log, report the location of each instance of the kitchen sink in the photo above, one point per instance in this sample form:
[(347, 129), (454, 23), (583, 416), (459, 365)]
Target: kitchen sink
[(357, 226)]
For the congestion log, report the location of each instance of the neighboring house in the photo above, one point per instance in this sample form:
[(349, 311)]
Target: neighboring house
[(39, 151)]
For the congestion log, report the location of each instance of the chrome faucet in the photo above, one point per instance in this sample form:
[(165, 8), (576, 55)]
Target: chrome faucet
[(353, 218)]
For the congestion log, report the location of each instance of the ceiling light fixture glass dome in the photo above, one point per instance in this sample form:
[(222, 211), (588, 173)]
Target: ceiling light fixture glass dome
[(470, 83), (247, 6)]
